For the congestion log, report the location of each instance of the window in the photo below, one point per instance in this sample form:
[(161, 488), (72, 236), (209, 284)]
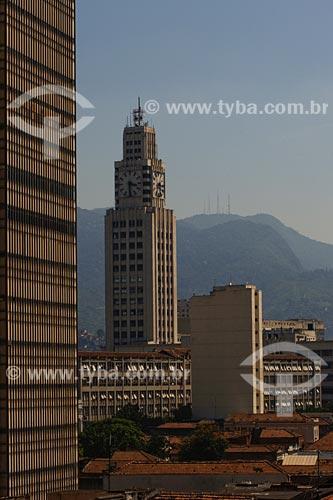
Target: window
[(139, 234)]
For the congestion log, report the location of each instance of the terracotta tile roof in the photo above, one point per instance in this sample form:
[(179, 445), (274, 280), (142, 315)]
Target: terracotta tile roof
[(278, 433), (248, 467), (99, 465), (257, 418), (252, 448), (134, 456), (324, 444), (235, 434), (178, 425), (96, 466)]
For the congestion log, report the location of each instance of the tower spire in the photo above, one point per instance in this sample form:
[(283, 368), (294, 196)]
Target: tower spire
[(138, 114)]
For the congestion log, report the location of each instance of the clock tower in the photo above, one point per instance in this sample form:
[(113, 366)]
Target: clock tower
[(140, 252)]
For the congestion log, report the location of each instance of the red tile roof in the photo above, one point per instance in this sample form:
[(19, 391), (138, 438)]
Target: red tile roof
[(178, 425), (278, 433), (257, 418), (324, 444), (248, 467), (99, 465), (253, 448)]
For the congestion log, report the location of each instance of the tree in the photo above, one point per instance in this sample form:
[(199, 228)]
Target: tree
[(183, 413), (133, 413), (206, 443), (125, 436), (158, 446)]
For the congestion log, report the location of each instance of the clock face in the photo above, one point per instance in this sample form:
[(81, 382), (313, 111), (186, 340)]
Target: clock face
[(130, 184), (158, 185)]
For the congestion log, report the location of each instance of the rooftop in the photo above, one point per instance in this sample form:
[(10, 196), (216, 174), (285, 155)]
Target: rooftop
[(99, 465), (248, 467), (178, 425), (324, 444), (165, 353), (257, 418), (278, 434)]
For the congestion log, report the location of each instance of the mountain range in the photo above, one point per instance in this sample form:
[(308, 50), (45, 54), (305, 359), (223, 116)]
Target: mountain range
[(294, 271)]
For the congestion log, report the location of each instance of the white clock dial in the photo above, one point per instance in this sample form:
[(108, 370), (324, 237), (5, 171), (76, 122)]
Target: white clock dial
[(158, 185), (130, 184)]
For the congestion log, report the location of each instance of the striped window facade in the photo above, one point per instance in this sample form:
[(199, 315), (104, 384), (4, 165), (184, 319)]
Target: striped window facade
[(38, 301)]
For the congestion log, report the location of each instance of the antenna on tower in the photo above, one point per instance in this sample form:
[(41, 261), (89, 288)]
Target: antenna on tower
[(229, 205), (218, 210), (138, 114)]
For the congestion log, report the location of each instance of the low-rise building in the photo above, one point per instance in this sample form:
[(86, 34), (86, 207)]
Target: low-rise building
[(194, 476), (298, 423), (292, 330), (157, 382)]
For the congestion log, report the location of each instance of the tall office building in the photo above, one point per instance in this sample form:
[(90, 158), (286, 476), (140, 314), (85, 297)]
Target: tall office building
[(38, 309), (140, 238)]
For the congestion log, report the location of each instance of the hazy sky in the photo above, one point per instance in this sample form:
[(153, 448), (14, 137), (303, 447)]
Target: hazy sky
[(202, 51)]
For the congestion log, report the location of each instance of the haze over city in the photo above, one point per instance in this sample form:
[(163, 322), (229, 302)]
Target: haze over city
[(203, 52)]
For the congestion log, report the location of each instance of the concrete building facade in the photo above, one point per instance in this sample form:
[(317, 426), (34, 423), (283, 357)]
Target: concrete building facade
[(226, 329), (140, 247), (324, 349), (292, 330), (157, 382), (293, 371), (38, 301)]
